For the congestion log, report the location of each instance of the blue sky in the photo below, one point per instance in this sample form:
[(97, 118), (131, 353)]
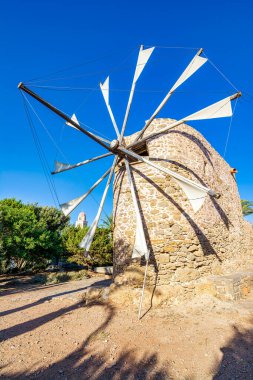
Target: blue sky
[(96, 38)]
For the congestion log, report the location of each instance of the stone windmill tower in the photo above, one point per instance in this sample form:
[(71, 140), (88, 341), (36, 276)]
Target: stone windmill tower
[(186, 245), (176, 204)]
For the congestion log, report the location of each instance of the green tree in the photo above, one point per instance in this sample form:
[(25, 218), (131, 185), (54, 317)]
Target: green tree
[(29, 234), (72, 237), (247, 207), (101, 248)]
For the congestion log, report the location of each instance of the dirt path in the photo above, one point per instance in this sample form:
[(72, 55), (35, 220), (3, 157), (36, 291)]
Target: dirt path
[(47, 333)]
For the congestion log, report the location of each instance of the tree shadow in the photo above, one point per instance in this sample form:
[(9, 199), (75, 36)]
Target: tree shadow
[(84, 363), (237, 361), (102, 283), (15, 287)]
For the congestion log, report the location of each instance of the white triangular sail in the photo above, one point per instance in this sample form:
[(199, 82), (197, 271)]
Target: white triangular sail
[(222, 108), (219, 109), (87, 240), (60, 166), (193, 66), (74, 118), (105, 91), (143, 58), (200, 192), (195, 196), (140, 245), (69, 206)]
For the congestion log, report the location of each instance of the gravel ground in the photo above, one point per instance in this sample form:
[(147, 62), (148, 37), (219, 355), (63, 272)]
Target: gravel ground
[(48, 333)]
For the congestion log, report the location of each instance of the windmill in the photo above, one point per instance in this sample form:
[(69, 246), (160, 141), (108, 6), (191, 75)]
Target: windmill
[(122, 153)]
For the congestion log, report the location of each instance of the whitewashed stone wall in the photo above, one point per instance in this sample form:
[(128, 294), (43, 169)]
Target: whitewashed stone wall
[(185, 245)]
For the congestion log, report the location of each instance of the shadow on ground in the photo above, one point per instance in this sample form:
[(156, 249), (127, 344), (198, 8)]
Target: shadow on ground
[(83, 363), (237, 360)]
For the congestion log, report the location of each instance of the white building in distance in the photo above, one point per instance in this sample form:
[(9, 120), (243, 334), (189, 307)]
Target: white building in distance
[(81, 220)]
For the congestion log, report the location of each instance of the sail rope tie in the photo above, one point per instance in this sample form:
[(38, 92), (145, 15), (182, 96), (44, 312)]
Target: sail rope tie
[(229, 129), (221, 73), (47, 131)]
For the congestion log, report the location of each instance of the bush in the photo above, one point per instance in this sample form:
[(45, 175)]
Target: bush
[(101, 248), (30, 235), (56, 278)]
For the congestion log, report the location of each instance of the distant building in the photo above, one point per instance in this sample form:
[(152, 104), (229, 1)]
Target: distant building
[(81, 220)]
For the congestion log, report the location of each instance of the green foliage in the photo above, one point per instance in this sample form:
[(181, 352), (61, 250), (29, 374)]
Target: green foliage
[(101, 247), (247, 207), (72, 237), (29, 234)]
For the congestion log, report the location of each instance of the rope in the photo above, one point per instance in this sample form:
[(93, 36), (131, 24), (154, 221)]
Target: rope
[(41, 155), (172, 47), (221, 73), (47, 131), (113, 69), (229, 129), (64, 124), (68, 88)]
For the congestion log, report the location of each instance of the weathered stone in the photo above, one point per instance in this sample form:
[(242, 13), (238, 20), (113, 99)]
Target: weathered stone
[(214, 240)]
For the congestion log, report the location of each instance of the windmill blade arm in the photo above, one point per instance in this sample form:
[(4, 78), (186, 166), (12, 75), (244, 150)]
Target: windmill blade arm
[(193, 66), (219, 109), (105, 92), (22, 87), (167, 171), (140, 246), (68, 207), (75, 122), (87, 240), (195, 192), (61, 167)]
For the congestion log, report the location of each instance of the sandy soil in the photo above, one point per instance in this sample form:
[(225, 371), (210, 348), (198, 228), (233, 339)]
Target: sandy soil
[(47, 333)]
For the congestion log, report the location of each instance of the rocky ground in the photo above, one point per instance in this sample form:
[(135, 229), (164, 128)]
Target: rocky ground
[(48, 332)]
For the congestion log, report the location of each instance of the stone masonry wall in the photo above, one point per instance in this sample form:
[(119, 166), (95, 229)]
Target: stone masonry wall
[(184, 245)]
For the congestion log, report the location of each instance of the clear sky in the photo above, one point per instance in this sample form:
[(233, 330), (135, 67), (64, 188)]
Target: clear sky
[(80, 42)]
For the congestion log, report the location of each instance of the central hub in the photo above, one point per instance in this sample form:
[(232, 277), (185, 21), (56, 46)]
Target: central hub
[(114, 144)]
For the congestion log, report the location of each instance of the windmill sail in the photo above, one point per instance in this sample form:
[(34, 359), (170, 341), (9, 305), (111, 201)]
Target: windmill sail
[(105, 91), (74, 118), (143, 58), (220, 109), (195, 196), (69, 206), (61, 167), (140, 246), (193, 66), (201, 191), (87, 240)]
